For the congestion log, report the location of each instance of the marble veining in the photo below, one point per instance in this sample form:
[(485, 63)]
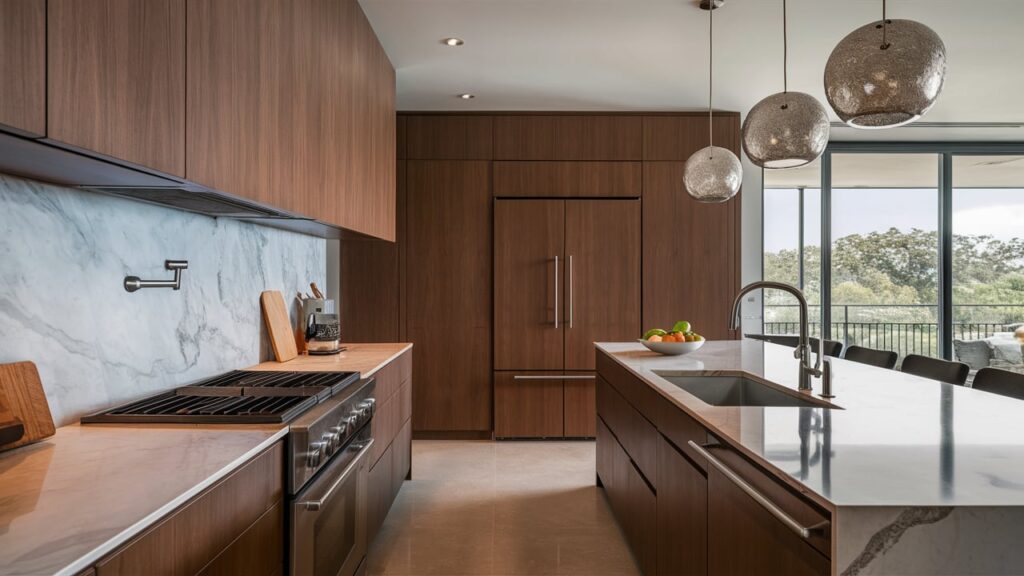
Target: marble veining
[(65, 254), (883, 540), (893, 440)]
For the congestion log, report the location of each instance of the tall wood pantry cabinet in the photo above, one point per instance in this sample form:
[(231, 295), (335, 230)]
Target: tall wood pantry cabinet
[(566, 274)]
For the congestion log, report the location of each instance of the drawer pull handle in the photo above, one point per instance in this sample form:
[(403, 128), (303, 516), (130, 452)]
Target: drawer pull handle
[(554, 377), (804, 532)]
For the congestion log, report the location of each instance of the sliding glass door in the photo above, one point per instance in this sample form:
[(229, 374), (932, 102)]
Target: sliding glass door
[(922, 251), (885, 252)]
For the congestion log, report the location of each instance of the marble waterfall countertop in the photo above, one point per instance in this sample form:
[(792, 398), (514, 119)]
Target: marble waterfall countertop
[(71, 499), (898, 440)]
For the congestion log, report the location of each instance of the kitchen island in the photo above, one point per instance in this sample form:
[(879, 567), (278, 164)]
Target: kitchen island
[(895, 475)]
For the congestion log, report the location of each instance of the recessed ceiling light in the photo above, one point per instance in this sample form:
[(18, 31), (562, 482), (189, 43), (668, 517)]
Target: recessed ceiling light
[(467, 96), (452, 41)]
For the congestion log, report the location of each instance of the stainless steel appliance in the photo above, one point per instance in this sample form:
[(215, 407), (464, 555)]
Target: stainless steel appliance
[(329, 415), (327, 485)]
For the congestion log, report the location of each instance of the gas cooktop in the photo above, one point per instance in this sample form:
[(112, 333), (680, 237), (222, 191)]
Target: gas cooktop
[(238, 397)]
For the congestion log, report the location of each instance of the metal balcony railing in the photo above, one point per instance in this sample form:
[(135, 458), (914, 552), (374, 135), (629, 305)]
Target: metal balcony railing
[(905, 329)]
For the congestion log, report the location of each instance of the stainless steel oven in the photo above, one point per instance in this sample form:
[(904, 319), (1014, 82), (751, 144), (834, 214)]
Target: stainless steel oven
[(328, 505)]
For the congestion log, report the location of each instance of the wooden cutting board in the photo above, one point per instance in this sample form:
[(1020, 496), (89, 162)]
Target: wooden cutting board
[(21, 393), (279, 325)]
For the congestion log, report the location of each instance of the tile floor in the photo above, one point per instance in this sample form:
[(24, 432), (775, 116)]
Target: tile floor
[(500, 508)]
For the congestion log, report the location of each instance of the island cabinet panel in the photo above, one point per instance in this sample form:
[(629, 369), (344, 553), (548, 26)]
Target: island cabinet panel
[(682, 514), (391, 428), (217, 532), (291, 104), (631, 498), (445, 137), (116, 79), (695, 275), (567, 179), (568, 137), (448, 300), (637, 436), (23, 67)]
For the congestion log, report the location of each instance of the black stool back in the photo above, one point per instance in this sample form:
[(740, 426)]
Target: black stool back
[(879, 358), (1001, 382), (936, 369)]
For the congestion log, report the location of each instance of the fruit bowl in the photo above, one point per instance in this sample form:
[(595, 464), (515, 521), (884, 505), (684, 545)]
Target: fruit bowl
[(672, 348)]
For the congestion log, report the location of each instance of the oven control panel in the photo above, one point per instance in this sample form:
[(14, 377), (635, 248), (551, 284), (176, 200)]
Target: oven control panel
[(326, 430)]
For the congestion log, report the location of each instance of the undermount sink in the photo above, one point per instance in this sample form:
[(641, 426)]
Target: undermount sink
[(739, 391)]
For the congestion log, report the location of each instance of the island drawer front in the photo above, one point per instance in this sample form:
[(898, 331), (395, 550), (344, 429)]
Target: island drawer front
[(796, 506), (638, 437), (640, 395), (679, 428), (631, 498)]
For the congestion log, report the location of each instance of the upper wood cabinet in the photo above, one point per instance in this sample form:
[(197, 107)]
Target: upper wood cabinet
[(567, 179), (292, 104), (116, 79), (444, 137), (676, 137), (23, 66), (567, 137)]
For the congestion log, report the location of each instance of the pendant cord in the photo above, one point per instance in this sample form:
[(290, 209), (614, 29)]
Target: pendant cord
[(885, 26), (785, 51), (711, 66)]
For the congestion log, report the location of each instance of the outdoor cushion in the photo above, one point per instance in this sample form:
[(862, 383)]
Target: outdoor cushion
[(974, 353), (1007, 351)]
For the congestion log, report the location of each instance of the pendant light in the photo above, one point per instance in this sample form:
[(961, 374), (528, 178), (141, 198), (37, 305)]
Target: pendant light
[(712, 174), (885, 74), (786, 129)]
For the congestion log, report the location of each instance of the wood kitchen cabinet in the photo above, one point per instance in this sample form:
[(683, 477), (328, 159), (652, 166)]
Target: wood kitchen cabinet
[(566, 274), (567, 179), (116, 79), (23, 67), (699, 267), (299, 114), (448, 297), (568, 137), (234, 527), (528, 405), (680, 513), (391, 428)]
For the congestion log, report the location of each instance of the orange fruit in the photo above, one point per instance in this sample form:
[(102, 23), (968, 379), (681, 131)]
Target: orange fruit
[(655, 338)]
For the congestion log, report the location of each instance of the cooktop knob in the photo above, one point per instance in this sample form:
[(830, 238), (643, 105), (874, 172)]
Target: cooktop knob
[(315, 455), (330, 442)]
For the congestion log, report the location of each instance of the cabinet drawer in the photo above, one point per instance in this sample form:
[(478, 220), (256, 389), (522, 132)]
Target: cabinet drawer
[(567, 179), (528, 408), (631, 498), (198, 532), (388, 379), (259, 551), (726, 498), (386, 422), (680, 429), (580, 408), (637, 436)]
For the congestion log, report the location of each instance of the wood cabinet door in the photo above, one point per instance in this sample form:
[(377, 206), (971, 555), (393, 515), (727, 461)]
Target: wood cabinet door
[(23, 66), (528, 405), (580, 410), (602, 276), (690, 255), (744, 538), (529, 285), (448, 296), (116, 79), (682, 514), (568, 137)]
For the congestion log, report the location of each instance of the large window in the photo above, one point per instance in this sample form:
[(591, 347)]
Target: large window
[(924, 248)]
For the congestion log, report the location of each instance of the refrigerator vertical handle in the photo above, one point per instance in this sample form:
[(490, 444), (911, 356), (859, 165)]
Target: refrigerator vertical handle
[(570, 291), (556, 291)]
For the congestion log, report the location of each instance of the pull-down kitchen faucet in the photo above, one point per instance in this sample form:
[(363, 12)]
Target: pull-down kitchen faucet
[(803, 349)]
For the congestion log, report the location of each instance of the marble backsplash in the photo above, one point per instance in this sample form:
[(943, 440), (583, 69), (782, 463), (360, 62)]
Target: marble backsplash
[(64, 254)]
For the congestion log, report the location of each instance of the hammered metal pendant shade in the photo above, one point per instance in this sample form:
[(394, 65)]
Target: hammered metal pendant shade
[(713, 174), (869, 86), (785, 130)]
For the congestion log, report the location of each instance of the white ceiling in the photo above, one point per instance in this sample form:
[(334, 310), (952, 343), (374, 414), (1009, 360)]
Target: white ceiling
[(652, 55)]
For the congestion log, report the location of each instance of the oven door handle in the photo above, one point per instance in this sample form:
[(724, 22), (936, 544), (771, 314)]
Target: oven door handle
[(316, 505)]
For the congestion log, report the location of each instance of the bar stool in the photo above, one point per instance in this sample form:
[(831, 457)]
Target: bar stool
[(936, 369), (870, 356)]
